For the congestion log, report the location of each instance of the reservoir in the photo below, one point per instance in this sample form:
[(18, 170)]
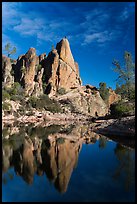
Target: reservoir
[(65, 163)]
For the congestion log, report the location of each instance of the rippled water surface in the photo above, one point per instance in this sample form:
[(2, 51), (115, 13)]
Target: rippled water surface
[(65, 163)]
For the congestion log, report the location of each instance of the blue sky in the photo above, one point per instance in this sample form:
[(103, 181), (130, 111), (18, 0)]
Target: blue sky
[(98, 32)]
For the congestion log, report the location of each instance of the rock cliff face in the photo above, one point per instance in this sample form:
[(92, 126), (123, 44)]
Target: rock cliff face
[(27, 73), (7, 78), (85, 100), (57, 70), (61, 71), (113, 97)]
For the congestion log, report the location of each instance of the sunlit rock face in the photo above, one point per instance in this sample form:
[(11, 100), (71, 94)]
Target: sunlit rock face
[(60, 69), (113, 97), (84, 100), (27, 73), (7, 78)]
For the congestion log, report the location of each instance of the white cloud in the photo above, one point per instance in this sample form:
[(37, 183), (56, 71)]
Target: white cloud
[(10, 14), (28, 26), (101, 37), (94, 28), (125, 14)]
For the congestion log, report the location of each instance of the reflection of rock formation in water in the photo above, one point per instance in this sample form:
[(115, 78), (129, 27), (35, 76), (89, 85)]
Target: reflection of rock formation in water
[(56, 154), (7, 153), (60, 160)]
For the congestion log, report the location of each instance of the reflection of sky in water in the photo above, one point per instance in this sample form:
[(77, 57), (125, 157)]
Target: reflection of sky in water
[(91, 180)]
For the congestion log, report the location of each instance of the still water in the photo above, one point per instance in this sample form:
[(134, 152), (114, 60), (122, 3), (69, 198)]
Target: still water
[(65, 164)]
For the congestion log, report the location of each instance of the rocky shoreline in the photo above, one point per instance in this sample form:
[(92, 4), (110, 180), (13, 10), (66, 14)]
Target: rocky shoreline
[(40, 117), (124, 127)]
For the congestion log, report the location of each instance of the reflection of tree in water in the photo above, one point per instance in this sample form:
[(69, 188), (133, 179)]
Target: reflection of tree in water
[(126, 166)]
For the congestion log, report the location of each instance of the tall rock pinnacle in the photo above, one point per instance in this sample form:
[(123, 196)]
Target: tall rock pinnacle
[(61, 71)]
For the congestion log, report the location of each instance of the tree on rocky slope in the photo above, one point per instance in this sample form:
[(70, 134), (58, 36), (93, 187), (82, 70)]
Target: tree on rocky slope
[(104, 92), (126, 76), (9, 49)]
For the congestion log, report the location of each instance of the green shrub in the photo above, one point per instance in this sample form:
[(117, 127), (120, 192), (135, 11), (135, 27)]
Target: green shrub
[(16, 92), (6, 106), (38, 67), (12, 72), (60, 140), (104, 92), (5, 95), (32, 101), (121, 109), (15, 89), (21, 110), (20, 98), (44, 102), (44, 86), (61, 91), (23, 69)]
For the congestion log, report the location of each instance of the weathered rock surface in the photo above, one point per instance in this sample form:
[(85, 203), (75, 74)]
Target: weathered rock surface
[(30, 66), (7, 78), (65, 54), (42, 57), (83, 100), (38, 89), (26, 72), (113, 97), (60, 69)]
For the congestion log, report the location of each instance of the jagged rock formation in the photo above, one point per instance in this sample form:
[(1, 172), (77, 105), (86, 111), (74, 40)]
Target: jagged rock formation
[(38, 89), (7, 78), (57, 70), (27, 74), (60, 69)]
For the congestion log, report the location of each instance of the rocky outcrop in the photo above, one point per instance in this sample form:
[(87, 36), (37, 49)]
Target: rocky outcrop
[(113, 97), (28, 74), (60, 69), (38, 89), (64, 52), (50, 71), (7, 78), (42, 57), (84, 100)]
